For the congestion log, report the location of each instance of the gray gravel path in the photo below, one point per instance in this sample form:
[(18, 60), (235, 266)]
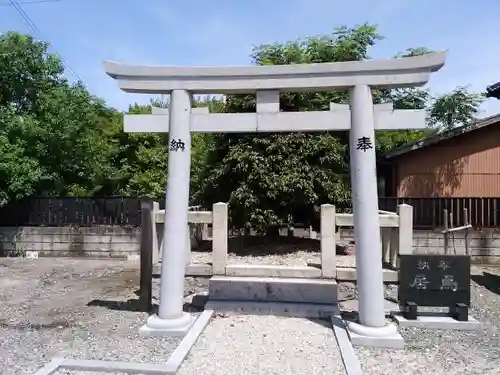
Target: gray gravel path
[(74, 372), (264, 345), (440, 352), (299, 258), (81, 309)]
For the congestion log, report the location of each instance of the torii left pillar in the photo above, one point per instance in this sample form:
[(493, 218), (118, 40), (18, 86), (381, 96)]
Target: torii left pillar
[(171, 319)]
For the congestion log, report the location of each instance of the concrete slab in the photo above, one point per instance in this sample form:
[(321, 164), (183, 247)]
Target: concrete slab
[(192, 269), (199, 269), (181, 352), (156, 327), (351, 362), (436, 321), (253, 270), (296, 310), (171, 367), (114, 366), (136, 258), (394, 341), (50, 368), (349, 274), (270, 289), (353, 305)]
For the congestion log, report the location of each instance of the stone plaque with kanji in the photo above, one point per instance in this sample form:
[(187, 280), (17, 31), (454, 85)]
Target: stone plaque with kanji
[(434, 280)]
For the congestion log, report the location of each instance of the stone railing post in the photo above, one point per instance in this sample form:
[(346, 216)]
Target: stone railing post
[(204, 232), (405, 245), (156, 247), (188, 243), (219, 238), (146, 256), (385, 237), (328, 246)]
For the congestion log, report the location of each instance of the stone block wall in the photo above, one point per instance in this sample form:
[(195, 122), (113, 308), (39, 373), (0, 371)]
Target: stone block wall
[(98, 242), (484, 245)]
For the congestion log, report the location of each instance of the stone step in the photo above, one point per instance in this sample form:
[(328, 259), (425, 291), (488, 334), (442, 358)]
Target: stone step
[(273, 289), (350, 274), (288, 309), (192, 269), (261, 270)]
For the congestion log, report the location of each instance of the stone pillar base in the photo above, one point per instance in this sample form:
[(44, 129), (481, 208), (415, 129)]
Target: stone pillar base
[(155, 326), (381, 337)]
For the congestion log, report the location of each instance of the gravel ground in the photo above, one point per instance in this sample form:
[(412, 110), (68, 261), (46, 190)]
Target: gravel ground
[(264, 345), (81, 309), (448, 352), (85, 309), (297, 258), (286, 251), (75, 372)]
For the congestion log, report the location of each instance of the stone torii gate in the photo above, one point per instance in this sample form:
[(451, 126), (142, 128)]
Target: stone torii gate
[(360, 117)]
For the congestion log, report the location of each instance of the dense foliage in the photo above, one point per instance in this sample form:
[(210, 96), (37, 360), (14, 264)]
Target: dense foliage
[(56, 138)]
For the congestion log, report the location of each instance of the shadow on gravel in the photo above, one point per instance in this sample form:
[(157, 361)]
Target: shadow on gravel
[(136, 305), (36, 327), (324, 322), (264, 245), (489, 281)]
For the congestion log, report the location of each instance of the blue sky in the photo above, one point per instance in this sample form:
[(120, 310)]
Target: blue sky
[(222, 32)]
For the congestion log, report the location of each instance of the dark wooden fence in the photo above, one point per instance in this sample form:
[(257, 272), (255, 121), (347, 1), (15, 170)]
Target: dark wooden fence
[(429, 212), (85, 212), (65, 211)]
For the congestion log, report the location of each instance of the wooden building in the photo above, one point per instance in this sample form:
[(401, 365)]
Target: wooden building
[(463, 162)]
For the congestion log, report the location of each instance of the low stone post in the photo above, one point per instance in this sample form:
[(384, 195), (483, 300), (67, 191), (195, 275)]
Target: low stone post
[(156, 247), (147, 248), (188, 243), (219, 238), (328, 246), (385, 237), (405, 242)]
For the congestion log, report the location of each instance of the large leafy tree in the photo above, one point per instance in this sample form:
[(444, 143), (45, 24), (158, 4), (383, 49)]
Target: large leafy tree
[(140, 160), (456, 109), (274, 179), (53, 135), (58, 139)]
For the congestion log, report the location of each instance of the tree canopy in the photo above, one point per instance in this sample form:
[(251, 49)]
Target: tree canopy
[(58, 139), (271, 180)]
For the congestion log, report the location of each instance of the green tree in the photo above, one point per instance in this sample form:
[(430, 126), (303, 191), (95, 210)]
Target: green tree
[(140, 160), (404, 98), (53, 135), (26, 70), (274, 179), (202, 145), (455, 109), (19, 173)]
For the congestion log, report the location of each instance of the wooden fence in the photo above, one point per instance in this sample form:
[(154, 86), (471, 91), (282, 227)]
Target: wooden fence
[(429, 212), (78, 211), (72, 211)]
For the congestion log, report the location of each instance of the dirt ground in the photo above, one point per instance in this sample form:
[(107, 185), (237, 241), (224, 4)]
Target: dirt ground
[(82, 309)]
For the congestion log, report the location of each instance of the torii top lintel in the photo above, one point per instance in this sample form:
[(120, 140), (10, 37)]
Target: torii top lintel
[(392, 73)]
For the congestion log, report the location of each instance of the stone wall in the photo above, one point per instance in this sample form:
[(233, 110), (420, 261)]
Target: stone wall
[(120, 242), (99, 241), (484, 245)]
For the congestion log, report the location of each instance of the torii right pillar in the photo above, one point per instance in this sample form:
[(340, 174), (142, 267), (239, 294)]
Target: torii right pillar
[(372, 323)]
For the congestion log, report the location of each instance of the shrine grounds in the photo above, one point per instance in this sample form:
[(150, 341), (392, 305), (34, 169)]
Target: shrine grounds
[(86, 309)]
